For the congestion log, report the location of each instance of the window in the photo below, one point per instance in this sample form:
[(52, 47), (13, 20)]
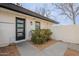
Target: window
[(37, 25)]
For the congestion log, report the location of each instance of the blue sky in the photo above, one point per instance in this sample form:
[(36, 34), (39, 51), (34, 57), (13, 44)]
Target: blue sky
[(61, 19)]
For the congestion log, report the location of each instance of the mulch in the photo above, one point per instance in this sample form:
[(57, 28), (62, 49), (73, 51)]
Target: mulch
[(40, 47), (10, 50), (71, 52)]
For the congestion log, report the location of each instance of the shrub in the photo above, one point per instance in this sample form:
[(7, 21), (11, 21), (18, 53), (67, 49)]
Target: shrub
[(40, 36)]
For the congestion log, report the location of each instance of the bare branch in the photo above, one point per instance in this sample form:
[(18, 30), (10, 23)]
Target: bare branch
[(44, 11), (69, 9)]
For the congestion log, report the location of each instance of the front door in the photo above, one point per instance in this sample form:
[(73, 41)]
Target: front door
[(20, 29)]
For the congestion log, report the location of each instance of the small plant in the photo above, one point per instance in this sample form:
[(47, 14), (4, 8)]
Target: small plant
[(40, 36)]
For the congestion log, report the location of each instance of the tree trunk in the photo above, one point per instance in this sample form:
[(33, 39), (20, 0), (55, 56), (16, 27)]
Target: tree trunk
[(74, 21)]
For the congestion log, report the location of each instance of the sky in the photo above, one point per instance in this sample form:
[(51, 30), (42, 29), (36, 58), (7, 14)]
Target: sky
[(61, 19)]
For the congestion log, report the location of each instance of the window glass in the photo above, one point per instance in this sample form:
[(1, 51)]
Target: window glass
[(19, 30), (19, 21), (20, 25), (19, 34), (37, 25)]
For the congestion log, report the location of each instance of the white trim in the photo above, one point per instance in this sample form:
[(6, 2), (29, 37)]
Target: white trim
[(6, 22), (20, 40)]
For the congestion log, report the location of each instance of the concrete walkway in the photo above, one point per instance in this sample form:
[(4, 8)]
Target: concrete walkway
[(73, 46), (57, 49), (26, 49)]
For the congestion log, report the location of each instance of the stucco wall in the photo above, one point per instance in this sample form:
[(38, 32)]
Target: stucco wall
[(66, 33), (7, 25)]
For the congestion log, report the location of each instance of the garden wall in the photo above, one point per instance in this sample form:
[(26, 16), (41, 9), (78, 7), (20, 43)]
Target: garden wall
[(66, 33)]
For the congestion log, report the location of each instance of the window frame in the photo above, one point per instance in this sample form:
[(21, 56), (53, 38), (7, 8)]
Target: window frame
[(36, 25)]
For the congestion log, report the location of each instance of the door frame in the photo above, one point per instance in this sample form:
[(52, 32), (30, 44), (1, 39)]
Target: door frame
[(23, 29)]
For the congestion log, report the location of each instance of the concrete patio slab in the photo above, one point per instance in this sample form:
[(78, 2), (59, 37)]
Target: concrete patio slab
[(26, 50), (57, 49), (73, 46)]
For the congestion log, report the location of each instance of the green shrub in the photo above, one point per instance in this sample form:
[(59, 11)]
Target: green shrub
[(40, 36)]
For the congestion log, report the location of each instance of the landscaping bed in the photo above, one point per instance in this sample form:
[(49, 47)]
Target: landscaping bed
[(45, 45), (10, 50), (71, 52)]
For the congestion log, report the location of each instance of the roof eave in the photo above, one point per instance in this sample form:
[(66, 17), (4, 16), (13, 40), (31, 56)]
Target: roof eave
[(22, 10)]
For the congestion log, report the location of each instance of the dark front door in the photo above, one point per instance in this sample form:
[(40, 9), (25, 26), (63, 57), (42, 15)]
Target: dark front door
[(20, 29)]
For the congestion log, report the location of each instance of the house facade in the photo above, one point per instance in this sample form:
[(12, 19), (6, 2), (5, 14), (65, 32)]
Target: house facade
[(16, 23)]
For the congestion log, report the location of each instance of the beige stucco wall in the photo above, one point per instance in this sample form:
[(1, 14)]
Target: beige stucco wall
[(7, 25), (66, 33)]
